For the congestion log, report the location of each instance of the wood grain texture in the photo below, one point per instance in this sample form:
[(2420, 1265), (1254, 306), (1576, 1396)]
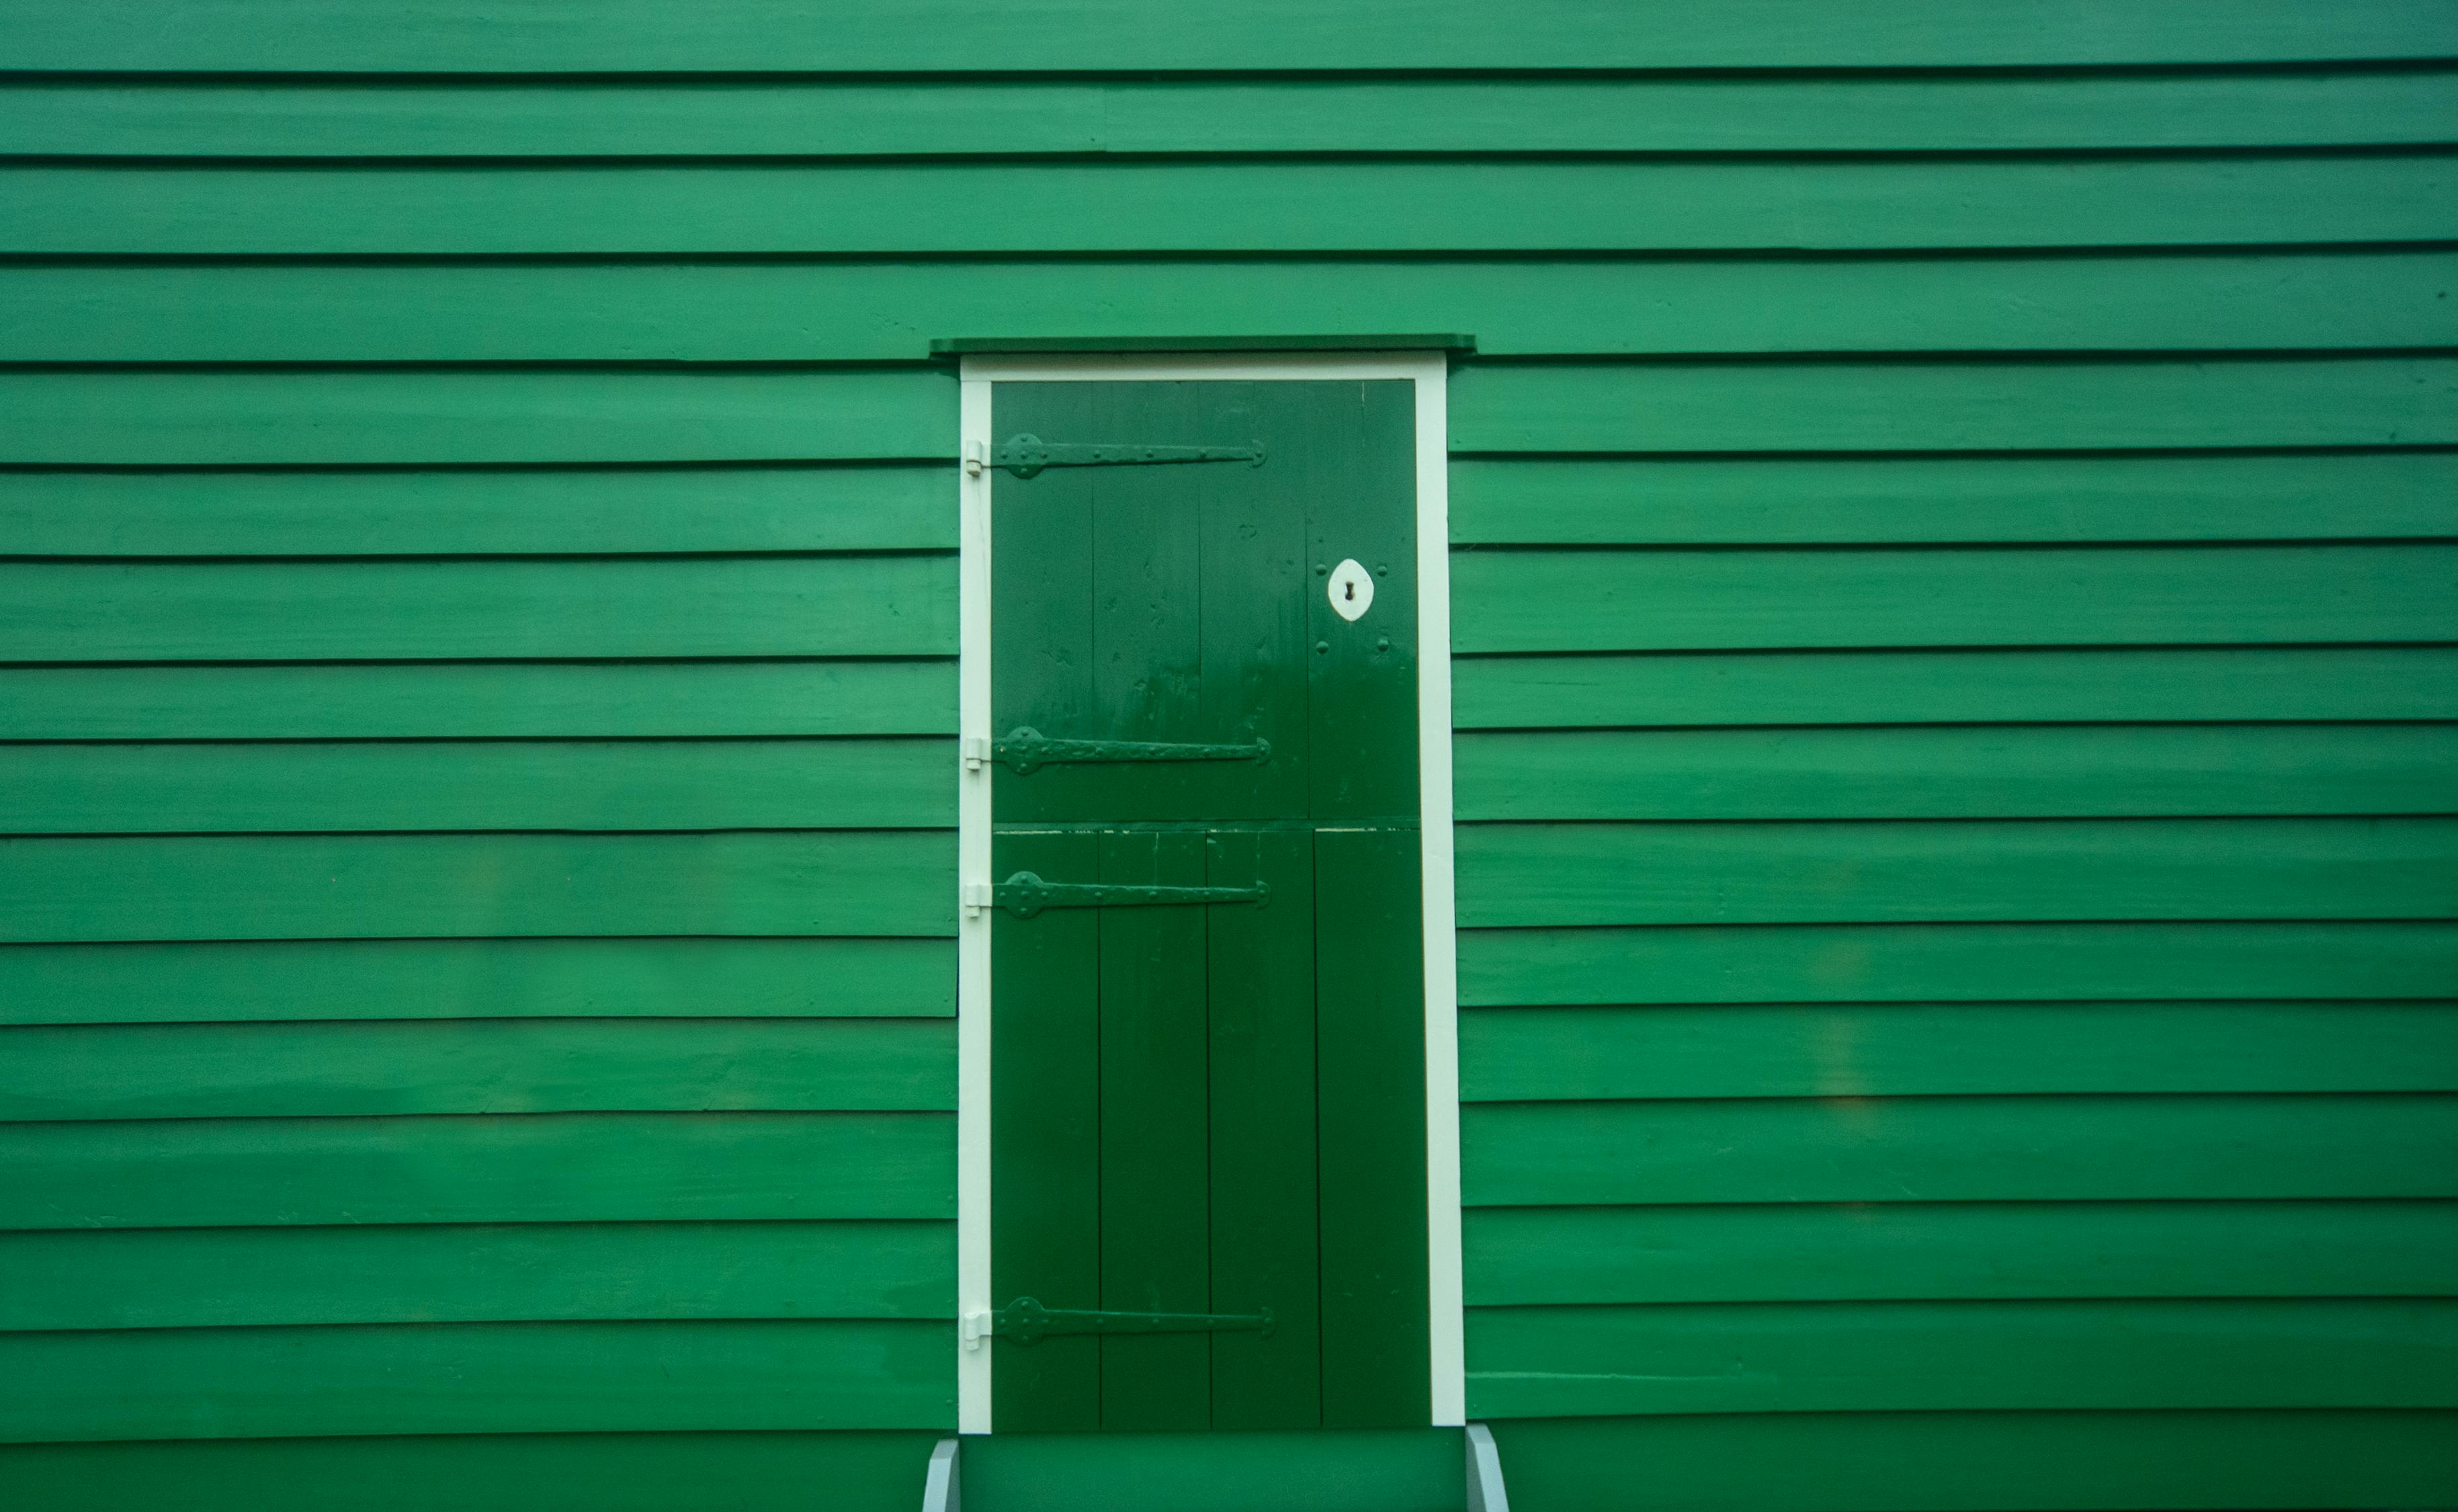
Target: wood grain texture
[(1955, 686), (276, 418), (1633, 600), (1951, 405), (557, 1167), (1878, 872), (1553, 1362), (1916, 1252), (1959, 1149), (479, 700), (725, 606), (1215, 206), (1930, 962), (219, 981), (1877, 500), (1872, 1050), (566, 512), (597, 1472), (537, 1066), (163, 788), (1021, 115), (1993, 1461), (478, 885), (475, 1274), (1598, 303), (597, 1378), (2024, 772), (907, 35)]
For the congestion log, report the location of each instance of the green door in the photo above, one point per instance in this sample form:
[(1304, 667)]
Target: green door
[(1208, 1108)]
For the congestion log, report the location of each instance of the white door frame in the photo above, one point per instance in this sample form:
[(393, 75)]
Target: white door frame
[(1429, 372)]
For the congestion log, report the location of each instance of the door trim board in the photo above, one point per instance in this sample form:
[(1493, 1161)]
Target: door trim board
[(1428, 371)]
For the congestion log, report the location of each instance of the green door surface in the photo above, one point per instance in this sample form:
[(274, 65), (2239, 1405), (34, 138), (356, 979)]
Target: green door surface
[(1210, 1109)]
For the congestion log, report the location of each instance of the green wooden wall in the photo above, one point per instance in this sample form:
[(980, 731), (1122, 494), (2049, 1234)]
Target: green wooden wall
[(1958, 634)]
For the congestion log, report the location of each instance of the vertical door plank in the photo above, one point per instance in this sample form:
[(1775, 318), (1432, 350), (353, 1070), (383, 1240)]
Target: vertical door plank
[(1045, 1130), (1356, 469), (1371, 1039), (1264, 1253), (1156, 1254)]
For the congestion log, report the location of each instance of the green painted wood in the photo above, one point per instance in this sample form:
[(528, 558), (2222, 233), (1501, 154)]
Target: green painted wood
[(484, 700), (230, 1383), (1884, 499), (511, 1272), (1951, 771), (1960, 1149), (569, 1168), (757, 36), (1414, 1469), (839, 310), (493, 785), (1046, 1068), (1145, 205), (1860, 1050), (1156, 1107), (1958, 962), (246, 981), (726, 607), (1979, 871), (539, 1065), (1947, 404), (1635, 600), (1558, 1362), (578, 512), (626, 1471), (360, 887), (1565, 114), (1956, 686), (275, 417), (1370, 1017), (1914, 1252), (1981, 1461)]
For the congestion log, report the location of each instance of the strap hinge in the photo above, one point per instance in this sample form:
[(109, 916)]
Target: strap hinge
[(1026, 455)]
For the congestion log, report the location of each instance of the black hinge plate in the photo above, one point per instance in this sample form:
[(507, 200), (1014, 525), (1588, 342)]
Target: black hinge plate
[(1026, 455)]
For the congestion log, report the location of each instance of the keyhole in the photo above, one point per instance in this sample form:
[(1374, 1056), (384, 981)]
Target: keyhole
[(1351, 591)]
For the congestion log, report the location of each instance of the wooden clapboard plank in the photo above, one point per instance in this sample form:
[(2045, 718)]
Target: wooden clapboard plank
[(2000, 1462), (482, 700), (575, 512), (765, 36), (261, 982), (1215, 206), (1959, 1149), (728, 311), (369, 887), (466, 1273), (242, 417), (536, 1065), (690, 606), (1954, 405), (1972, 870), (1956, 771), (1955, 687), (1633, 600), (231, 1384), (1552, 1362), (557, 1167), (491, 785), (1886, 499), (969, 117), (1887, 1050), (1958, 962), (491, 1472), (1549, 1256)]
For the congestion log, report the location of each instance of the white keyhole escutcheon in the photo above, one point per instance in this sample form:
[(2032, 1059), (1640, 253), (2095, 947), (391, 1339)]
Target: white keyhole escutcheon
[(1351, 590)]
